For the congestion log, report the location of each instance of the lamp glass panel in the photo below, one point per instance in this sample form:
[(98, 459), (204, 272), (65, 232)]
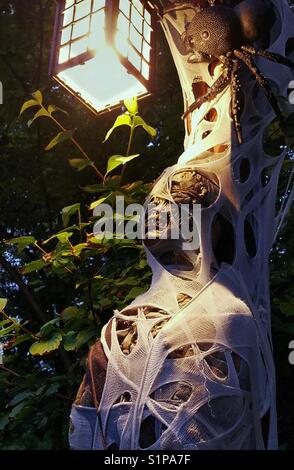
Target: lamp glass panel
[(66, 34), (137, 20), (125, 7), (145, 70), (139, 6), (122, 44), (136, 38), (81, 28), (123, 25), (146, 51), (93, 68), (97, 31), (98, 4), (147, 32), (134, 22), (78, 47), (63, 54), (68, 16), (102, 81), (82, 9), (147, 17)]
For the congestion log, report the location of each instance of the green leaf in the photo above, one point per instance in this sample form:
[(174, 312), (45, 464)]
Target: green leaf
[(22, 242), (99, 201), (4, 420), (131, 105), (46, 345), (38, 96), (48, 327), (20, 397), (52, 109), (69, 313), (134, 292), (53, 388), (28, 104), (84, 336), (68, 211), (5, 331), (59, 138), (79, 163), (3, 303), (111, 184), (41, 113), (77, 249), (17, 409), (22, 339), (122, 120), (33, 266), (117, 160), (93, 188), (70, 341), (138, 121), (63, 237)]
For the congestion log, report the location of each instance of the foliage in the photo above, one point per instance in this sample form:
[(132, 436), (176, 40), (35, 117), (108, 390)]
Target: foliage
[(61, 283), (86, 266)]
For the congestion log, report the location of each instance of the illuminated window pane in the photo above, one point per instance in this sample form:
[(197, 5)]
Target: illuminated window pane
[(98, 4), (145, 70), (124, 6), (97, 34), (134, 58), (147, 33), (102, 81), (78, 47), (68, 16), (123, 25), (69, 3), (63, 54), (80, 28), (136, 38), (65, 35), (137, 20), (122, 44), (147, 17), (88, 65), (146, 51), (82, 9), (138, 5)]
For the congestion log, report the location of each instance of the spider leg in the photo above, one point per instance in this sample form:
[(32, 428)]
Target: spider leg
[(235, 88), (221, 83), (247, 59), (278, 58)]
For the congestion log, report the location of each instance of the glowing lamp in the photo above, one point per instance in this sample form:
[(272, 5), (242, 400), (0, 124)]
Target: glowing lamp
[(103, 50)]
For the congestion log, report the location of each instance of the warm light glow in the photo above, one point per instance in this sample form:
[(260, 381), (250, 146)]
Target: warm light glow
[(102, 81), (92, 68)]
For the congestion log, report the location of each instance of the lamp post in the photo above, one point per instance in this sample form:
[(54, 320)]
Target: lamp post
[(103, 50)]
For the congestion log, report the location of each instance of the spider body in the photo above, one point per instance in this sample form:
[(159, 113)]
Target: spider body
[(213, 32), (219, 32)]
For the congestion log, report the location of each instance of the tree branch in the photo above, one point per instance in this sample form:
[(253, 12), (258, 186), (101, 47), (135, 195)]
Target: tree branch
[(29, 297)]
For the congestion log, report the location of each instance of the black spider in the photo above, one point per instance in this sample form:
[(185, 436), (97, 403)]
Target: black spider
[(227, 34)]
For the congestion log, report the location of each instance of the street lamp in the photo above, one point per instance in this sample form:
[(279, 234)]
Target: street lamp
[(103, 50)]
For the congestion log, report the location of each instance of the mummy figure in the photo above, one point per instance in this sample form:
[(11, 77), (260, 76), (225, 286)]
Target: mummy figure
[(188, 365)]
